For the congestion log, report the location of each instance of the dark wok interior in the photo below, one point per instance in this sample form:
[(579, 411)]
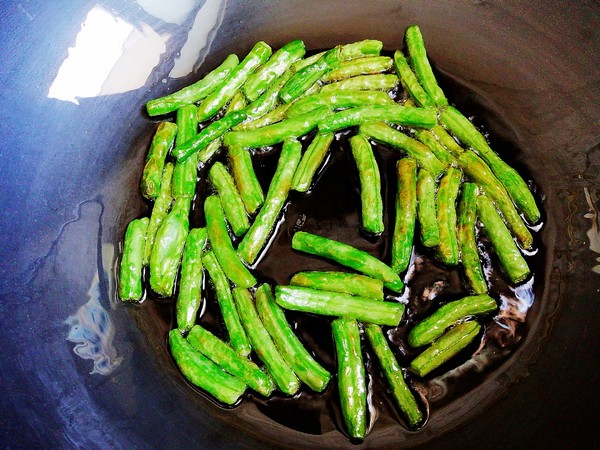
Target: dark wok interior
[(528, 71)]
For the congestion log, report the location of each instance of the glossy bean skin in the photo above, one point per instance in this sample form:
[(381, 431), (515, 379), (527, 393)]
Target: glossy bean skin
[(370, 185), (346, 283), (406, 214), (195, 92), (230, 85), (222, 246), (431, 328), (307, 369), (189, 297), (202, 372), (352, 383), (467, 240), (348, 256), (377, 82), (167, 250), (508, 253), (263, 345), (237, 335), (446, 347), (420, 64), (404, 398), (427, 209), (409, 81), (132, 261), (245, 178), (225, 357), (311, 160), (155, 159), (336, 304), (264, 223), (231, 200), (447, 249), (185, 172)]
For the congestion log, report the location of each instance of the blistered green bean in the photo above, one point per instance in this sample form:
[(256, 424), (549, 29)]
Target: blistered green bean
[(447, 249), (370, 185), (155, 159), (264, 223), (347, 283), (189, 297), (295, 354), (231, 200), (132, 261), (406, 211)]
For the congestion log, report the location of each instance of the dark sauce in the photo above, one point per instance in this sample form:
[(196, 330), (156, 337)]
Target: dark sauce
[(332, 209)]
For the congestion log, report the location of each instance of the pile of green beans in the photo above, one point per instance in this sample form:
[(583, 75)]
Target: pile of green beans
[(449, 188)]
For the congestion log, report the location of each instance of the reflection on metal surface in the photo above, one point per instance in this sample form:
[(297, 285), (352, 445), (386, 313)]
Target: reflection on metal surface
[(93, 333), (110, 56), (208, 18), (173, 11), (593, 233)]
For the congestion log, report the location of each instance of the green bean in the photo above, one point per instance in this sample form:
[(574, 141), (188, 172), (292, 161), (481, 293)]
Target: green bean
[(155, 159), (362, 66), (245, 178), (232, 203), (346, 283), (295, 354), (437, 148), (207, 135), (268, 101), (229, 86), (426, 209), (385, 134), (510, 257), (194, 92), (479, 172), (161, 208), (447, 249), (449, 345), (208, 152), (370, 185), (311, 160), (409, 81), (185, 172), (278, 132), (202, 372), (352, 383), (302, 63), (273, 116), (189, 298), (302, 80), (393, 374), (420, 64), (221, 244), (225, 357), (263, 345), (168, 248), (360, 49), (237, 336), (132, 261), (467, 216), (411, 117), (431, 328), (281, 60), (406, 211), (237, 103), (447, 141), (339, 100), (264, 223), (347, 256), (518, 190), (336, 304), (377, 82)]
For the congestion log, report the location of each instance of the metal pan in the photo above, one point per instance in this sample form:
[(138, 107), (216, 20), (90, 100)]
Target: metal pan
[(79, 370)]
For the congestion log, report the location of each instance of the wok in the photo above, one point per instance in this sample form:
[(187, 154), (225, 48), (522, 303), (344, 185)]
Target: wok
[(79, 370)]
